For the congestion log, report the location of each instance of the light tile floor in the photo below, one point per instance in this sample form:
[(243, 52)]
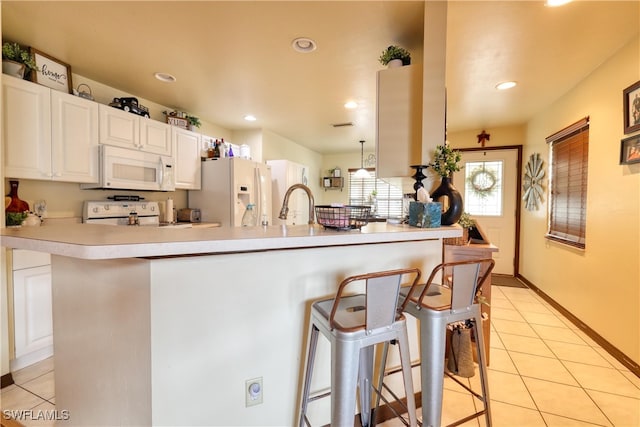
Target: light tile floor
[(544, 371)]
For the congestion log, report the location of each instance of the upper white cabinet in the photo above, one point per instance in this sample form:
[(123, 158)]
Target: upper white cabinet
[(399, 118), (284, 174), (74, 126), (48, 134), (128, 130), (186, 149)]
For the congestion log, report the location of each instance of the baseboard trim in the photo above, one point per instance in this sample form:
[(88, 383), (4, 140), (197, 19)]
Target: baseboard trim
[(6, 380), (606, 345)]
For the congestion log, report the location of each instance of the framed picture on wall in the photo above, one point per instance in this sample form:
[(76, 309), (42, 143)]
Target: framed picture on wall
[(52, 72), (630, 150), (631, 101)]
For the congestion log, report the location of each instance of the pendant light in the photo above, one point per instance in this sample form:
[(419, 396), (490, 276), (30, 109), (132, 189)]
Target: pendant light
[(362, 173)]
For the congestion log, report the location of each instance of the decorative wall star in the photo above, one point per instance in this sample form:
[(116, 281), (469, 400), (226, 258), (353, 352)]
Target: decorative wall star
[(483, 137)]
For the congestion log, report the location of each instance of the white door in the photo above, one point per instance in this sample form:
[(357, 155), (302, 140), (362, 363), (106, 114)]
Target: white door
[(488, 184)]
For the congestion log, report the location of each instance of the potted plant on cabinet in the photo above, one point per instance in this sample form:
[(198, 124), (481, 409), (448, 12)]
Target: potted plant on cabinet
[(395, 56), (16, 61), (194, 122), (445, 163)]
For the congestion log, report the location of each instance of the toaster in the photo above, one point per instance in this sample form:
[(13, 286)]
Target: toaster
[(189, 215)]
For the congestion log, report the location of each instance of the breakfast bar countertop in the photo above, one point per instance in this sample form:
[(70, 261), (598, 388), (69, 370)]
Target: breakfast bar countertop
[(91, 241)]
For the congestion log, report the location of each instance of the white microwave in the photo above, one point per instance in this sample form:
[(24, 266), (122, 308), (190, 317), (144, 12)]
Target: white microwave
[(125, 169)]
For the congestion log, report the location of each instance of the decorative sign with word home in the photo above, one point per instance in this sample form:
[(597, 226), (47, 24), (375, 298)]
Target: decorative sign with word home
[(51, 72)]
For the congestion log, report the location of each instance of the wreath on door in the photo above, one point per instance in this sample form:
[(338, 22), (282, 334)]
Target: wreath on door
[(482, 181)]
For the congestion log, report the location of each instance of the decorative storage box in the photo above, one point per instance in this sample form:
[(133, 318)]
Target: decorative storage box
[(425, 215)]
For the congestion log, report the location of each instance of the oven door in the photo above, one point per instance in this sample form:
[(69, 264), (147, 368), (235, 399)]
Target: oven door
[(126, 169)]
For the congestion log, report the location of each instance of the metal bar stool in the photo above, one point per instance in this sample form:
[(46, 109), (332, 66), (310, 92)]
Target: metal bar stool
[(354, 324), (436, 306)]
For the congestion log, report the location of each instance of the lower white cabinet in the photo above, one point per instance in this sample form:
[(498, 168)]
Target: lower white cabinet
[(32, 308)]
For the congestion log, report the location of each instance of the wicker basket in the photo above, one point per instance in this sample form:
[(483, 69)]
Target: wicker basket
[(345, 217), (458, 241)]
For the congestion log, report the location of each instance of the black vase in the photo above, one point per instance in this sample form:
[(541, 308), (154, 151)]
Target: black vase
[(456, 206)]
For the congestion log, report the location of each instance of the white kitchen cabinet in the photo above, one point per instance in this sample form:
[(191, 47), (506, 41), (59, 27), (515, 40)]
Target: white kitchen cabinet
[(399, 118), (26, 117), (48, 135), (284, 174), (127, 130), (74, 127), (32, 302), (187, 164)]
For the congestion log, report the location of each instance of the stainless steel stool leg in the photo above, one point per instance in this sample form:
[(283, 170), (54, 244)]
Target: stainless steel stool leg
[(345, 357), (482, 367), (311, 356), (365, 374), (405, 358), (432, 352)]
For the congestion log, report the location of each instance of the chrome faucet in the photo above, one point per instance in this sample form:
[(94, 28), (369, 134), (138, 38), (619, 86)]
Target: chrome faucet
[(285, 203)]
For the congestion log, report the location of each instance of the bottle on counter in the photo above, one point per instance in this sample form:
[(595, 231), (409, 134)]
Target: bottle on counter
[(249, 217), (216, 150)]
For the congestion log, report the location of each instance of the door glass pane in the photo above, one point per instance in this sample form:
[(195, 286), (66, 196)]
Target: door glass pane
[(483, 188)]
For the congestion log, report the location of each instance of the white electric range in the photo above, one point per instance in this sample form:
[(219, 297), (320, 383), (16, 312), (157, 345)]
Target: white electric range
[(121, 212)]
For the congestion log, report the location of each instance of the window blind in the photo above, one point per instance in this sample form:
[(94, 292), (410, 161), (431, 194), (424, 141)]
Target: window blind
[(388, 197), (568, 184)]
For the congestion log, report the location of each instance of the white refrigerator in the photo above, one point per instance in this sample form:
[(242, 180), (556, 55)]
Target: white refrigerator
[(228, 186)]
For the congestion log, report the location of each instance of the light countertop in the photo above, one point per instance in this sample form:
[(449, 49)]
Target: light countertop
[(92, 241)]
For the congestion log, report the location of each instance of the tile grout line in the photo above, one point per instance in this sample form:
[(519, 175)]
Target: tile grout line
[(562, 362)]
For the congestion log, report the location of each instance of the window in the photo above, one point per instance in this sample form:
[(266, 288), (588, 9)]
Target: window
[(388, 198), (483, 188), (568, 184)]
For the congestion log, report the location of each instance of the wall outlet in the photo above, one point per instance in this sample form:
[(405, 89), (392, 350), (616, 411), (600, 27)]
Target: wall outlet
[(253, 392)]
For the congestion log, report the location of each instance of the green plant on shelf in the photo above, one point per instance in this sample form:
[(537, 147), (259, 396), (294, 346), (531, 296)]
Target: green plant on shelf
[(395, 52), (445, 160), (193, 121), (13, 52)]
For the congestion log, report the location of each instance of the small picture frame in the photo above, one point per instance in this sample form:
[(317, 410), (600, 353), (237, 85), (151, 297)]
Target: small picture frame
[(51, 72), (630, 150), (631, 102)]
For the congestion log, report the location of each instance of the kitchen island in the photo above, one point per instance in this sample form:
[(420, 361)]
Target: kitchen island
[(160, 326)]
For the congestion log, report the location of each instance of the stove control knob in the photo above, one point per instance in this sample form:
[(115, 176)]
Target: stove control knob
[(95, 209)]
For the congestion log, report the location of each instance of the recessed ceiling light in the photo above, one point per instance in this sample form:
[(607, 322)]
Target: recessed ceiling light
[(351, 105), (505, 85), (554, 3), (165, 77), (250, 118), (303, 45)]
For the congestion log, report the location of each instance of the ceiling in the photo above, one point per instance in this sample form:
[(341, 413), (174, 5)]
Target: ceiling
[(235, 58)]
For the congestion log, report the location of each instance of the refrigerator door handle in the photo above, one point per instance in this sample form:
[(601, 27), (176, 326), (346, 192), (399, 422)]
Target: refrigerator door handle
[(259, 190)]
